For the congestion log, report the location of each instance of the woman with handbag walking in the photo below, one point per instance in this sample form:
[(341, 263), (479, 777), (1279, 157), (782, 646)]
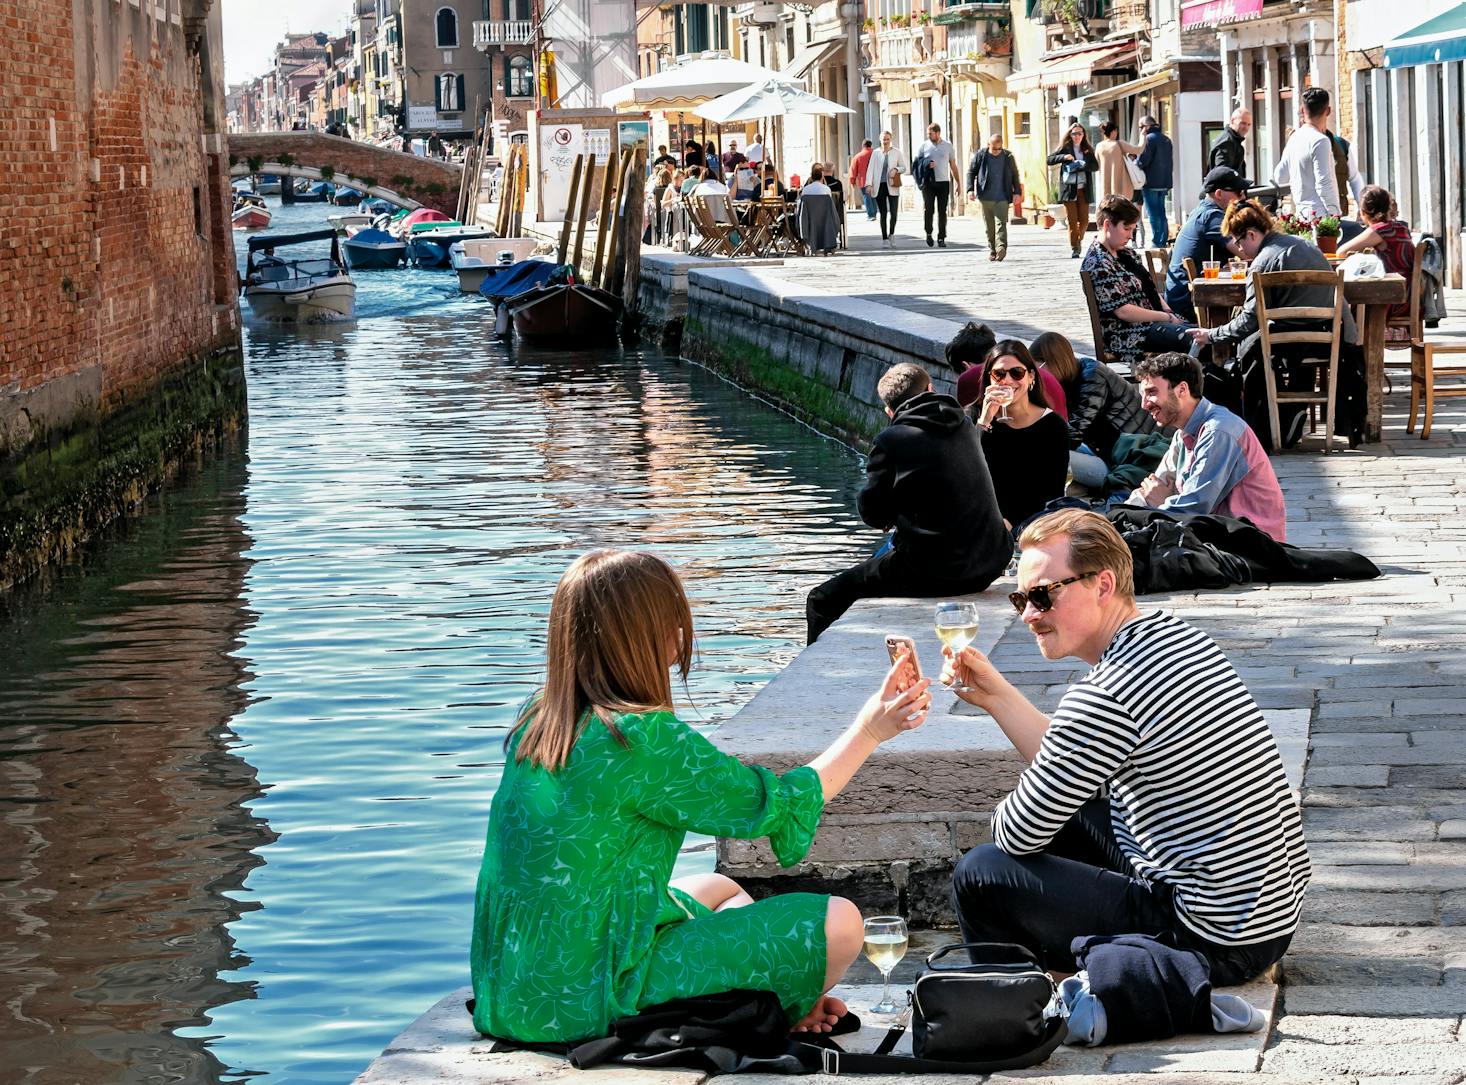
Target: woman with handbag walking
[(883, 176), (1077, 166), (577, 921), (1118, 173)]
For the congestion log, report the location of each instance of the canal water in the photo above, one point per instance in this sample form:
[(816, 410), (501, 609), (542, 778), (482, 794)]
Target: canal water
[(248, 740)]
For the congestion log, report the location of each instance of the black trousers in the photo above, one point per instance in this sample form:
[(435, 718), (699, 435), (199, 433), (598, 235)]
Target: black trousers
[(887, 574), (1082, 885), (887, 203), (934, 196)]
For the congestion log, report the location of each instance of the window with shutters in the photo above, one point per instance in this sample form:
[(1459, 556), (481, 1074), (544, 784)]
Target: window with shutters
[(447, 23), (450, 93)]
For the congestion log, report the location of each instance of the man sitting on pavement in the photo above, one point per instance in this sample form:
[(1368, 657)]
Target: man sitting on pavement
[(927, 478), (1201, 239), (1215, 462), (1196, 835)]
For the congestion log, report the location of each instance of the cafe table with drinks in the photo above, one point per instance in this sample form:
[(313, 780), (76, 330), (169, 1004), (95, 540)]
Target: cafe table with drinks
[(1220, 289)]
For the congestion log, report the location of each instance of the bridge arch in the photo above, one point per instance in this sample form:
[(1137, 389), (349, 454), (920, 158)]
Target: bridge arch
[(406, 180)]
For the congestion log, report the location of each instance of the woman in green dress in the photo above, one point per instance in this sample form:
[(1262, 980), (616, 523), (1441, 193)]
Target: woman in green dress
[(576, 919)]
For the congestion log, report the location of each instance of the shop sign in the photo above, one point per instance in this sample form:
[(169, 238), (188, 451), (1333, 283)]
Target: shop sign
[(1218, 12)]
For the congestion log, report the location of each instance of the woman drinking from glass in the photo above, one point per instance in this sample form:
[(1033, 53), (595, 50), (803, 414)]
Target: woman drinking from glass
[(577, 921)]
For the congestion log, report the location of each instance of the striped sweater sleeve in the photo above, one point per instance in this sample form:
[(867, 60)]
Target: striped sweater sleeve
[(1089, 738)]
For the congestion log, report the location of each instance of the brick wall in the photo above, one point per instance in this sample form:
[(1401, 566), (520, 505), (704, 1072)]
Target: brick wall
[(116, 260), (431, 182)]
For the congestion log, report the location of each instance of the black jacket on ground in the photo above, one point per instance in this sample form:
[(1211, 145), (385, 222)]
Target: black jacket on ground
[(1151, 988), (927, 477)]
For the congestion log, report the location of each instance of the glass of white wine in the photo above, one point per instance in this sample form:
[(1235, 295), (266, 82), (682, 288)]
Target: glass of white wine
[(956, 629), (885, 945)]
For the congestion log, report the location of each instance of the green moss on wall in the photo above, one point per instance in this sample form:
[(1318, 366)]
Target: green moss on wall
[(67, 483)]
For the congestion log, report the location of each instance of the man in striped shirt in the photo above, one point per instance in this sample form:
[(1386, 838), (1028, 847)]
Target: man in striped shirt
[(1199, 837)]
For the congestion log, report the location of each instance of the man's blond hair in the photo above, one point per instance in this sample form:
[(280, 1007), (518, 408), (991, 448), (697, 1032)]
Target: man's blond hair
[(1094, 544)]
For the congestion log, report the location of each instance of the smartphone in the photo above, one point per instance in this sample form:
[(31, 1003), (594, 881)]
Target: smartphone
[(896, 643)]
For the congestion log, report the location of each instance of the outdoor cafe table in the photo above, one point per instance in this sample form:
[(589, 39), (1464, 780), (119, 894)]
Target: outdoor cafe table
[(1216, 298)]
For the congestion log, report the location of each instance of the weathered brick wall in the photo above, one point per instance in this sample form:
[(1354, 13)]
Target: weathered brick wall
[(428, 181), (116, 262)]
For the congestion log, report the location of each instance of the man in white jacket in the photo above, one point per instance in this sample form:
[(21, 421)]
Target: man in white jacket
[(1307, 165)]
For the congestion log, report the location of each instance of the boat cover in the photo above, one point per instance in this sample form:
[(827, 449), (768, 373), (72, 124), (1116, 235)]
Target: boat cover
[(370, 236), (508, 282), (424, 214), (274, 241)]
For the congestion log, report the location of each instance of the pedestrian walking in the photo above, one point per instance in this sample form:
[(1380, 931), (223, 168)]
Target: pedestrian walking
[(883, 175), (993, 181), (858, 166), (940, 159), (1114, 177), (1230, 149), (1157, 160), (1077, 166)]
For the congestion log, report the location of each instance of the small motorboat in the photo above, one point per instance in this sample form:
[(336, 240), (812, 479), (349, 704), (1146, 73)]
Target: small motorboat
[(250, 212), (347, 197), (269, 185), (409, 219), (306, 291), (343, 224), (428, 243), (474, 258), (566, 312), (373, 249), (320, 192)]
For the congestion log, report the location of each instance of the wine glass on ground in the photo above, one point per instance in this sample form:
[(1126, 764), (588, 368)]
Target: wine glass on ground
[(885, 945), (956, 628)]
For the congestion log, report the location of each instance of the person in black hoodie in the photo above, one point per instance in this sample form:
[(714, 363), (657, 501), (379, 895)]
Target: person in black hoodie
[(926, 477)]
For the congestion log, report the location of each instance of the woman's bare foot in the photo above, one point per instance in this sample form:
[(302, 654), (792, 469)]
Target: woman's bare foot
[(827, 1010)]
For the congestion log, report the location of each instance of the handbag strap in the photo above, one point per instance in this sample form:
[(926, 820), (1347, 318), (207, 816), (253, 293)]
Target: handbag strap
[(831, 1058)]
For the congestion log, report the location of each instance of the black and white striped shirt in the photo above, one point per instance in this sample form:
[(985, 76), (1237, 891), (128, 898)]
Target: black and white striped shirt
[(1198, 796)]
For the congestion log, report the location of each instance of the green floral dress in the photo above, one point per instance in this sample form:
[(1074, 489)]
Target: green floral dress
[(575, 924)]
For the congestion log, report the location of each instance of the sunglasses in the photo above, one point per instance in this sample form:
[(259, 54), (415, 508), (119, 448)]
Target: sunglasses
[(1042, 595), (1015, 374)]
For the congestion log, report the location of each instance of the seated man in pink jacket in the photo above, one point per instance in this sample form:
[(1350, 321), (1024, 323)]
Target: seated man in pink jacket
[(1215, 463)]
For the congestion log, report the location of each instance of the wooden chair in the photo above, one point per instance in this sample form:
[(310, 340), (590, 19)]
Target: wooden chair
[(1409, 323), (1101, 352), (1190, 266), (1423, 375), (1327, 340), (1158, 262), (718, 238)]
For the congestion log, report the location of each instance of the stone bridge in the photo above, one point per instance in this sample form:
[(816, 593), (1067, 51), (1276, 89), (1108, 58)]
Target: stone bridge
[(407, 180)]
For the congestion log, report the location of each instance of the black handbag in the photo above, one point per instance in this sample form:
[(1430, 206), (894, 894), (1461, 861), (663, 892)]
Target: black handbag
[(999, 1012)]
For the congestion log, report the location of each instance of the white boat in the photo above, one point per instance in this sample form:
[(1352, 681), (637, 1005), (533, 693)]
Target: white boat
[(344, 224), (473, 258), (309, 291)]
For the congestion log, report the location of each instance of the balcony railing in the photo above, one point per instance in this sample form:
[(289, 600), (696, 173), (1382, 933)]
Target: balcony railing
[(502, 32)]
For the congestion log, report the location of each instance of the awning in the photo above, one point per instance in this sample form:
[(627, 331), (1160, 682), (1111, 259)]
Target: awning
[(1077, 65), (811, 56), (1024, 80), (1164, 81), (1437, 41), (1196, 13)]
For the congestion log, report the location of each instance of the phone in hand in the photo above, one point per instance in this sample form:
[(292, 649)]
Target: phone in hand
[(896, 643)]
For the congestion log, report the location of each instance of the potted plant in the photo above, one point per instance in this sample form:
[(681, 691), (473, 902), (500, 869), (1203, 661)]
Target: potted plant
[(868, 25), (1326, 233)]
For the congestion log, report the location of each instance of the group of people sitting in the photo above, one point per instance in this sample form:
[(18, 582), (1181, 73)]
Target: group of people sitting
[(578, 921), (816, 206)]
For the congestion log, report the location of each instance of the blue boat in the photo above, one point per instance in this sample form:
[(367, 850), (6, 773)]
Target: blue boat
[(429, 243), (373, 249)]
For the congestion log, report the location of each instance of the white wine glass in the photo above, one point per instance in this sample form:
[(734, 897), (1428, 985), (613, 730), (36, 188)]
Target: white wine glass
[(885, 944), (956, 628), (1005, 396)]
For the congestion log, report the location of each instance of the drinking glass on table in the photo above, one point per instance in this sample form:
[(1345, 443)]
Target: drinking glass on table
[(885, 945), (956, 628), (1236, 269), (1211, 269)]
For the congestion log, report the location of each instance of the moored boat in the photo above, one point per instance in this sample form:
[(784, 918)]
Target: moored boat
[(343, 223), (428, 244), (568, 312), (475, 258), (250, 212), (306, 291), (374, 249)]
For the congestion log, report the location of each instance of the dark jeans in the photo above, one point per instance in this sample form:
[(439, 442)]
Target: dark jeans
[(1155, 210), (1082, 885), (886, 203), (934, 196), (888, 573), (1160, 338)]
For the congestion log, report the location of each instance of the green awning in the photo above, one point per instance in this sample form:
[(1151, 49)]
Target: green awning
[(1437, 41)]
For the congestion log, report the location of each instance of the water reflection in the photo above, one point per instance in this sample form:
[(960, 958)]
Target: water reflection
[(123, 831)]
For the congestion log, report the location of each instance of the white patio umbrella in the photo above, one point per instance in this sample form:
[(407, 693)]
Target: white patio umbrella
[(688, 85), (768, 98)]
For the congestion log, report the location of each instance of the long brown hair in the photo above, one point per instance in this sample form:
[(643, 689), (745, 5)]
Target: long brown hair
[(1053, 351), (615, 616)]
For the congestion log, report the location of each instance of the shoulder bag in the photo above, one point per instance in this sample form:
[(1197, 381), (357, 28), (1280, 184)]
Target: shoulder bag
[(1132, 167), (1000, 1012)]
